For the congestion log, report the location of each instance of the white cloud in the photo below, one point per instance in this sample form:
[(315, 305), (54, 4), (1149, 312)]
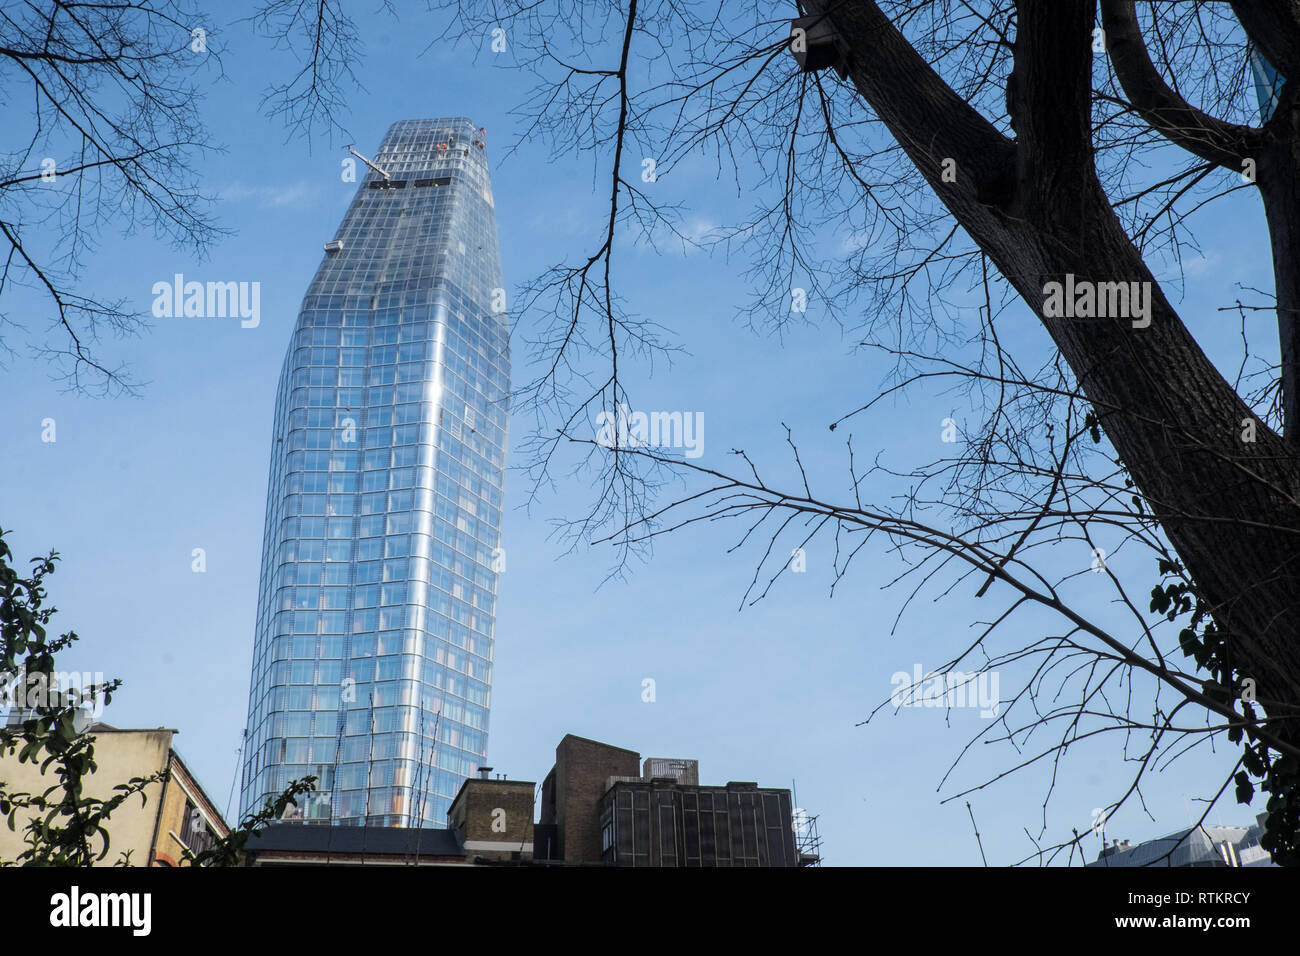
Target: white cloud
[(1201, 265), (698, 229), (854, 242)]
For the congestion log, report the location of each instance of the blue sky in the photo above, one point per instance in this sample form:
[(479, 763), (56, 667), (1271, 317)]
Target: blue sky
[(772, 693)]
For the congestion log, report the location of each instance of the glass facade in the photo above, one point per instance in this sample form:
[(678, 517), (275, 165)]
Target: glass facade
[(372, 660)]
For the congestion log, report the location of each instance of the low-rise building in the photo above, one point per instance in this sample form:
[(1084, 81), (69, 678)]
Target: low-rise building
[(1199, 846), (493, 819), (313, 844), (175, 815), (490, 822), (596, 809), (662, 822)]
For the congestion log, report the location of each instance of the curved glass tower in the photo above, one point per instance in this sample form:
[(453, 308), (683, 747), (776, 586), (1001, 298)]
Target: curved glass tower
[(372, 661)]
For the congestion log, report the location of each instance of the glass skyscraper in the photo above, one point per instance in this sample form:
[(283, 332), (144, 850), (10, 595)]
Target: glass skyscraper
[(372, 659)]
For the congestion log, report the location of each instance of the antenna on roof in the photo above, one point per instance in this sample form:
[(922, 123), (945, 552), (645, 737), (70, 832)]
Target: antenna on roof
[(381, 172)]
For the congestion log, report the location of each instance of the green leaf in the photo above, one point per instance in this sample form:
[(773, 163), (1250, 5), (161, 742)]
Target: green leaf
[(1245, 789), (1250, 759)]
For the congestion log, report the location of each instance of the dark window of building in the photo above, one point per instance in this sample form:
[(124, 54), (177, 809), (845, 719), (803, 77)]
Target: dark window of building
[(195, 832)]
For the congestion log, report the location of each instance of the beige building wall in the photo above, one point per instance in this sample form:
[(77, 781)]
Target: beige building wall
[(183, 793), (167, 845), (120, 755)]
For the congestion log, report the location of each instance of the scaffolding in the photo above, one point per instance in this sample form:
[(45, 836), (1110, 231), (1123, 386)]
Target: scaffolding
[(807, 841)]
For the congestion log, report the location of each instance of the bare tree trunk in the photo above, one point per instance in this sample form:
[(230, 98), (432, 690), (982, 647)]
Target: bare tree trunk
[(1278, 175), (1035, 206)]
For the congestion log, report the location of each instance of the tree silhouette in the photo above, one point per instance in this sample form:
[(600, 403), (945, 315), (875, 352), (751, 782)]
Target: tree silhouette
[(1063, 146)]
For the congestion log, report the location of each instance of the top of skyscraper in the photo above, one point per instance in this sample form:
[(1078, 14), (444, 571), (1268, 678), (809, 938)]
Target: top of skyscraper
[(426, 145)]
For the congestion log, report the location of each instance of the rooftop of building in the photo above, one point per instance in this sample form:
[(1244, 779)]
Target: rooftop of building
[(1190, 846), (17, 715), (734, 786), (99, 727), (348, 840), (599, 743)]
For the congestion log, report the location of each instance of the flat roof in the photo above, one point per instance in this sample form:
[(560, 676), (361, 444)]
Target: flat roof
[(102, 728), (319, 838)]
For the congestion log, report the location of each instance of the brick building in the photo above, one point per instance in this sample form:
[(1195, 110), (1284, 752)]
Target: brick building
[(598, 809), (569, 828), (490, 822)]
